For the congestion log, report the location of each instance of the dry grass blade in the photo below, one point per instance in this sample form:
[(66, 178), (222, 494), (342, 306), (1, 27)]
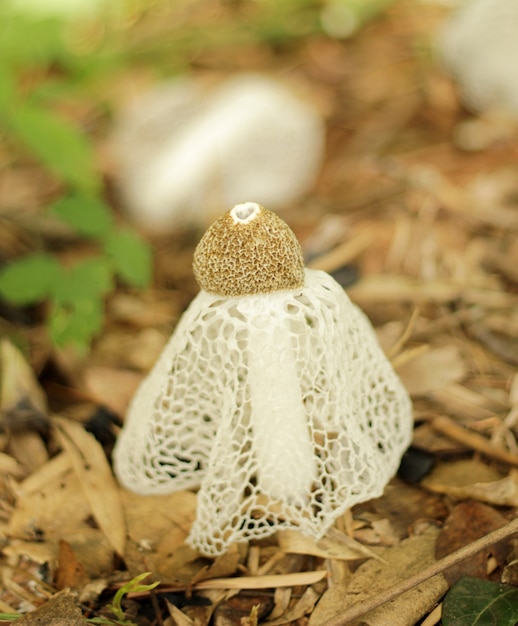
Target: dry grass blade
[(264, 582), (272, 581)]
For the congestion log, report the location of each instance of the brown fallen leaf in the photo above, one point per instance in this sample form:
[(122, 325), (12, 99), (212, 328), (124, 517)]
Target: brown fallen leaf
[(28, 448), (70, 572), (304, 606), (399, 563), (111, 387), (335, 545), (465, 480), (56, 508), (201, 613), (468, 522), (473, 440), (403, 505), (92, 550), (60, 610), (224, 565), (178, 617), (150, 519), (157, 528), (236, 611), (95, 476), (460, 473), (264, 582), (433, 369), (22, 401)]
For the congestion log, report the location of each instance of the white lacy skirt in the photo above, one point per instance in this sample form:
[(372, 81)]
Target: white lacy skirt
[(281, 408)]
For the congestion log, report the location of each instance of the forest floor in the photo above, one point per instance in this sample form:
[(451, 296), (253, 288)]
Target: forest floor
[(426, 231)]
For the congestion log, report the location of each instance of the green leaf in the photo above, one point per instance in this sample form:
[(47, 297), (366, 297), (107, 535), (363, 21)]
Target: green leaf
[(60, 146), (131, 257), (88, 215), (88, 280), (475, 602), (7, 88), (77, 323), (29, 41), (31, 279)]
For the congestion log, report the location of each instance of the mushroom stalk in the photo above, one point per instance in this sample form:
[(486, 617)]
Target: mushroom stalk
[(281, 440)]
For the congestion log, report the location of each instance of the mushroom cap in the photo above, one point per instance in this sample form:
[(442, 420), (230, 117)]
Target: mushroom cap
[(248, 251)]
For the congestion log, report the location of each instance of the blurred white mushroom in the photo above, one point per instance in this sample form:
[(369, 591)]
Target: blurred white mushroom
[(479, 46), (183, 150), (272, 396)]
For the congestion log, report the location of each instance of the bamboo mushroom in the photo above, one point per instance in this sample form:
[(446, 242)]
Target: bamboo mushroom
[(479, 46), (272, 396)]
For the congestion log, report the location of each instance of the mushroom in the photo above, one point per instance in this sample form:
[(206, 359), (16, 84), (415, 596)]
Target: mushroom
[(272, 396), (186, 146), (479, 46)]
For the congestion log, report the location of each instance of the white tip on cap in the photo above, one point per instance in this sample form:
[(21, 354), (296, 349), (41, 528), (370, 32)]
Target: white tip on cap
[(246, 212)]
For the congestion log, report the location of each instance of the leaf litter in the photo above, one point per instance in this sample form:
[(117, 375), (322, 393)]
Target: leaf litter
[(430, 232)]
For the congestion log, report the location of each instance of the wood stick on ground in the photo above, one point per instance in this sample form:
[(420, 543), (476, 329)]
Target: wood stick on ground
[(472, 440), (360, 609)]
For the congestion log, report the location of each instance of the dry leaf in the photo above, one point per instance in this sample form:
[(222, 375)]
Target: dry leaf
[(470, 479), (96, 479), (157, 528), (403, 505), (224, 565), (70, 572), (179, 618), (178, 564), (9, 465), (22, 401), (51, 471), (460, 400), (302, 607), (111, 387), (433, 369), (502, 492), (400, 562), (37, 551), (60, 610), (468, 522), (264, 582), (379, 532), (57, 508), (92, 550), (330, 602), (201, 614), (28, 448), (335, 545), (238, 610), (151, 518), (281, 600), (460, 473)]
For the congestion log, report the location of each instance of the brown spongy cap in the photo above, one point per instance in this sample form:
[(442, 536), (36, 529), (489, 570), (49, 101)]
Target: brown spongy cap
[(249, 250)]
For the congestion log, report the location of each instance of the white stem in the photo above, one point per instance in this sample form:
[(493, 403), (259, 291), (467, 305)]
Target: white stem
[(281, 440)]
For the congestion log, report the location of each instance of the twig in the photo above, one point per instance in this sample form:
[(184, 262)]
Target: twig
[(360, 609), (472, 440)]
